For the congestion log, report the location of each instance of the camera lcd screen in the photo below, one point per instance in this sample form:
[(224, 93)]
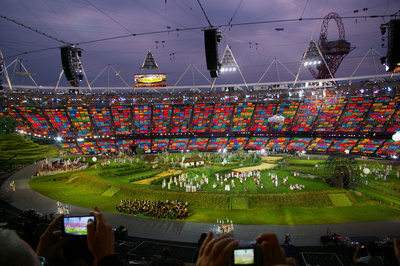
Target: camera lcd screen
[(76, 225), (243, 256)]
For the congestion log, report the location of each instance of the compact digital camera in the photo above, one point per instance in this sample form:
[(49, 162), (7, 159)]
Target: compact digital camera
[(76, 225), (76, 228), (247, 254)]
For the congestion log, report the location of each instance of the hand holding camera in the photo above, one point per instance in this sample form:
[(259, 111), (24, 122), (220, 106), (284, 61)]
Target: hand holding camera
[(100, 236), (76, 225), (93, 232), (273, 253), (216, 251), (51, 242), (222, 250)]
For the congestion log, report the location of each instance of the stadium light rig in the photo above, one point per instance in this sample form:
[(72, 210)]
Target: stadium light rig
[(312, 62), (228, 69), (228, 62), (312, 55)]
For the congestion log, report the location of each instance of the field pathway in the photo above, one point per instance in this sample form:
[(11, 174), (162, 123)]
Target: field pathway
[(268, 162), (165, 173)]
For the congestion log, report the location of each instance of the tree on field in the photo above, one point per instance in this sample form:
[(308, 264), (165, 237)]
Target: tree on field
[(139, 150), (7, 125), (195, 152)]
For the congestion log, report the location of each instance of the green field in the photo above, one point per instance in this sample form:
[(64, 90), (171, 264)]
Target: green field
[(318, 203), (245, 203)]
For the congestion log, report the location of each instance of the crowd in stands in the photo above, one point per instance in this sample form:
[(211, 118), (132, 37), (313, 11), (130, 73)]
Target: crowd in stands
[(155, 209), (330, 115), (326, 128)]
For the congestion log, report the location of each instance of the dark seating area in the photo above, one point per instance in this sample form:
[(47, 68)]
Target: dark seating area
[(139, 251)]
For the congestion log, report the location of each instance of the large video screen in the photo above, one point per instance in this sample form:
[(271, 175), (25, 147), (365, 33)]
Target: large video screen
[(150, 80)]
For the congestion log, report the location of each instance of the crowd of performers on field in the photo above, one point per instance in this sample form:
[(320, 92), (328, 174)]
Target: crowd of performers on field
[(186, 180), (226, 181), (156, 209), (62, 209), (378, 173), (225, 227), (50, 166)]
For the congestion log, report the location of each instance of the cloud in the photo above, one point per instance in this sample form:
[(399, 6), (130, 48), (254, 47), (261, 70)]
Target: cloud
[(396, 136), (276, 119)]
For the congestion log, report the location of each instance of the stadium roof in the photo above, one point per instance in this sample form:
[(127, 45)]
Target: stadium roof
[(120, 33)]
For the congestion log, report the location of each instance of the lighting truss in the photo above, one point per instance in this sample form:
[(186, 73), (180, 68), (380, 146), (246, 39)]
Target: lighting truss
[(149, 62), (312, 58), (229, 64)]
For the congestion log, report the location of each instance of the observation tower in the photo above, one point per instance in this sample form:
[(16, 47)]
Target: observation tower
[(333, 51)]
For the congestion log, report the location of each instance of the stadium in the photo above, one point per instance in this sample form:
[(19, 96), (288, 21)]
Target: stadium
[(320, 121), (309, 156)]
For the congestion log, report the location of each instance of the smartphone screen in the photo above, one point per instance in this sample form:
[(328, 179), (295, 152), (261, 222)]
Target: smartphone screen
[(243, 256), (76, 225)]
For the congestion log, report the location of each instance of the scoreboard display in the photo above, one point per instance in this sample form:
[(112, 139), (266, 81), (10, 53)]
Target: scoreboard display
[(150, 80)]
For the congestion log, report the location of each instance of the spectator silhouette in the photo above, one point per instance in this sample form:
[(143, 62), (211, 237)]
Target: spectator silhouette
[(372, 258), (197, 250), (396, 245), (100, 239), (166, 259)]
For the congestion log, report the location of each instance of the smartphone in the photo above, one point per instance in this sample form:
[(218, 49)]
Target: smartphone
[(76, 225)]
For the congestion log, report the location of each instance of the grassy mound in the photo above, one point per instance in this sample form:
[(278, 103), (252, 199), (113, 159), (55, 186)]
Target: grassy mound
[(25, 150), (340, 200)]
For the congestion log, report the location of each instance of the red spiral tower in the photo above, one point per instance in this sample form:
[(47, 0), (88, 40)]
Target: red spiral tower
[(333, 51)]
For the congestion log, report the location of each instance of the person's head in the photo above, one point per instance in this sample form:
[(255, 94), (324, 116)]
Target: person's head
[(14, 251), (201, 239), (371, 247), (166, 253), (163, 261)]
